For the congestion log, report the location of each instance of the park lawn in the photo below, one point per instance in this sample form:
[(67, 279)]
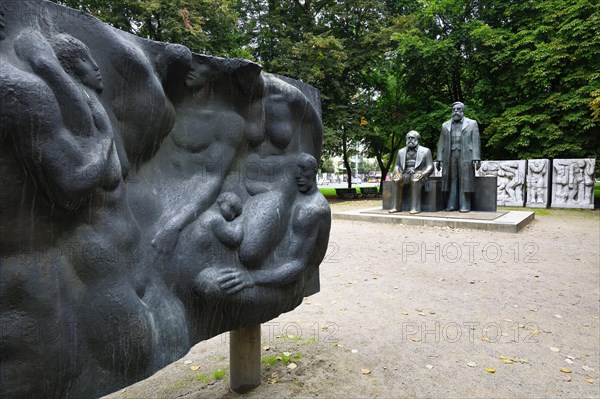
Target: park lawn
[(327, 191)]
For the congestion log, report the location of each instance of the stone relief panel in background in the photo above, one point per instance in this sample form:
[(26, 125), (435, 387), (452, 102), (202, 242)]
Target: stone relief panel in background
[(573, 183), (511, 180), (151, 198), (538, 183)]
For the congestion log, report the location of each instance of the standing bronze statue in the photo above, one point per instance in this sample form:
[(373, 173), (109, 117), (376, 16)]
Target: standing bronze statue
[(414, 164), (459, 154)]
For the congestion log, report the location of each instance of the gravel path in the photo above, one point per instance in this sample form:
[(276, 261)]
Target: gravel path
[(423, 312)]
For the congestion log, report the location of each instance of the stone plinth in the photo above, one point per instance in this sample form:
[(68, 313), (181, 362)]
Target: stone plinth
[(502, 221), (432, 198)]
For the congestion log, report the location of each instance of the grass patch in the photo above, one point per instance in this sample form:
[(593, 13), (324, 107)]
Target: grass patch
[(199, 377), (536, 211), (268, 361), (308, 341), (285, 358), (327, 191), (202, 378), (541, 211), (219, 374)]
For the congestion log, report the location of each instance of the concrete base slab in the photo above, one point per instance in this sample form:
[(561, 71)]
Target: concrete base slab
[(505, 221)]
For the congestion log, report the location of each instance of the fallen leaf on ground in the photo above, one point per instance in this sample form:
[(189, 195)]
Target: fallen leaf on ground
[(274, 378), (589, 381), (587, 368), (492, 371), (565, 370), (554, 349), (292, 366), (365, 371), (405, 313), (287, 354), (485, 339), (354, 351), (188, 362), (429, 366), (511, 360), (472, 364), (567, 378), (416, 340), (568, 361), (194, 368), (558, 316), (266, 347)]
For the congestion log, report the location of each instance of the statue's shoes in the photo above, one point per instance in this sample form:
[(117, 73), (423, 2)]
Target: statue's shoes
[(414, 212), (464, 210), (449, 209), (393, 211)]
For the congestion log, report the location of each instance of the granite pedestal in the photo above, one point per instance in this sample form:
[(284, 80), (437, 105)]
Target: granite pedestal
[(433, 199)]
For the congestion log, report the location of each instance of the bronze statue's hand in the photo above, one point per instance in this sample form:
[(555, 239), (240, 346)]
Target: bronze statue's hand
[(417, 176), (234, 280), (477, 164), (438, 165), (396, 176)]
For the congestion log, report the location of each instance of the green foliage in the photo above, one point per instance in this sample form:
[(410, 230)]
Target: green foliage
[(268, 361), (205, 26), (219, 374), (544, 102), (285, 358), (200, 377), (527, 70), (328, 192), (327, 165)]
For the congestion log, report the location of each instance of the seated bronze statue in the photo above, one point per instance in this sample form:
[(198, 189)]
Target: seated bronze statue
[(414, 164)]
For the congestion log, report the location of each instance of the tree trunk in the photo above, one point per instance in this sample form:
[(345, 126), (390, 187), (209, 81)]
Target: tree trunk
[(345, 156)]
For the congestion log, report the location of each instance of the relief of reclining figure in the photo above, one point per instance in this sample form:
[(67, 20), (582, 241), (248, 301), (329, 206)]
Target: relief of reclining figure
[(152, 198)]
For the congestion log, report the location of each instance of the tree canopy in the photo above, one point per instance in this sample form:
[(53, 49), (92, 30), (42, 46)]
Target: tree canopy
[(205, 26), (526, 70)]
